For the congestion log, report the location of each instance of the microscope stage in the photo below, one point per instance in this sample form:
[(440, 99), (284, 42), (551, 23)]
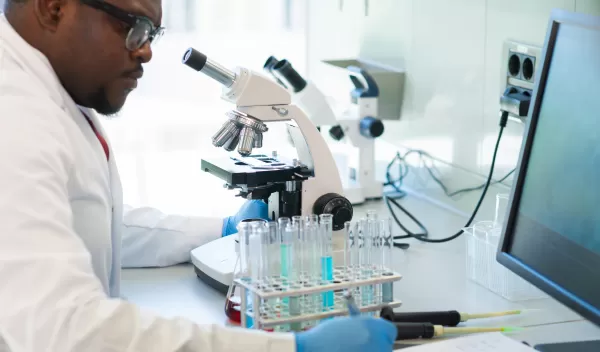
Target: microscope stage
[(254, 170)]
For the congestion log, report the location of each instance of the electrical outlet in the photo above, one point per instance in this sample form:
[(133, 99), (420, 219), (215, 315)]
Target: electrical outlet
[(521, 61), (518, 77)]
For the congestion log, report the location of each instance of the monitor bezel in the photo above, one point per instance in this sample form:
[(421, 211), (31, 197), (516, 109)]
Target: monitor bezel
[(557, 18)]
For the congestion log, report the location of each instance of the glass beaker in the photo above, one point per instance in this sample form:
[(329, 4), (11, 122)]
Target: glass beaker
[(501, 206)]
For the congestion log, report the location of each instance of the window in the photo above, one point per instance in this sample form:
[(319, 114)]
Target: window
[(167, 124)]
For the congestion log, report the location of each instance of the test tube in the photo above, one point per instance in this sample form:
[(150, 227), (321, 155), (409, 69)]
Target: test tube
[(257, 269), (348, 250), (387, 246), (326, 234), (274, 268), (299, 250), (373, 229), (312, 247), (285, 250), (294, 263), (244, 232), (375, 233), (366, 269), (274, 253)]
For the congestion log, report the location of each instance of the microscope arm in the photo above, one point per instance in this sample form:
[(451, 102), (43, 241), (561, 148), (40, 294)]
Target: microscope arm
[(312, 150)]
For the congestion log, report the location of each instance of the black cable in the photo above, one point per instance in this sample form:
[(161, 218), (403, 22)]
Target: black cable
[(465, 190), (422, 236)]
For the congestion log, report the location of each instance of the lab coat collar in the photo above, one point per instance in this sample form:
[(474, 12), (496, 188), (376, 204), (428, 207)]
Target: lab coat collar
[(32, 60)]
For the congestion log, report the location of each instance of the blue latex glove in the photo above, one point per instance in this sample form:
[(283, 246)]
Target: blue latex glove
[(355, 334), (252, 209)]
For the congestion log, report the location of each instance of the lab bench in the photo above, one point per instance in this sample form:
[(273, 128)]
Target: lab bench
[(434, 278)]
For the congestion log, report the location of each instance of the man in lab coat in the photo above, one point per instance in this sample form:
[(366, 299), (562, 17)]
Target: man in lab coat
[(64, 233)]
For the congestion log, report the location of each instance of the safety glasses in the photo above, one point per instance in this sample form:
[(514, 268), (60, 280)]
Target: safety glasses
[(141, 30)]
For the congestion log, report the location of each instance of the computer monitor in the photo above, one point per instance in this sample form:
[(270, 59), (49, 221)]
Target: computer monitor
[(551, 235)]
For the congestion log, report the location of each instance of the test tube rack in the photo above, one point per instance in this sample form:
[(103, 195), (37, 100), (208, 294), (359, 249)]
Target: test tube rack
[(264, 318)]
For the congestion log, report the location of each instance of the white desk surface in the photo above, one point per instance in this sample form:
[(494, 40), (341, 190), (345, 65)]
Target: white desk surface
[(433, 279)]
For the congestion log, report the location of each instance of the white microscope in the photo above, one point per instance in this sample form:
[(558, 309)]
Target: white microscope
[(358, 127), (308, 185)]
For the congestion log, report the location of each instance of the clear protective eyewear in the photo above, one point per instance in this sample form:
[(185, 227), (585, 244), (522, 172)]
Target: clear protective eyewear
[(141, 30)]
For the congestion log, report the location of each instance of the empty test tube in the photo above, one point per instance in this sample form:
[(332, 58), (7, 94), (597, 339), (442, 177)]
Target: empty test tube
[(312, 248), (387, 246), (286, 244), (349, 257), (245, 266), (257, 268), (374, 236), (294, 270), (274, 256), (373, 229), (366, 269)]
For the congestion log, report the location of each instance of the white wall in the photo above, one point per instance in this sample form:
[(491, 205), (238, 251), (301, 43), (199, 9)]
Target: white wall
[(452, 51)]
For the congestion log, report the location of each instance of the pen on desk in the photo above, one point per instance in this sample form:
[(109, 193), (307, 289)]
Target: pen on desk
[(353, 309), (444, 318)]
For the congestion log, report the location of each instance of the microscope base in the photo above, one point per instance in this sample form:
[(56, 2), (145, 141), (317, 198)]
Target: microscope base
[(357, 194), (214, 262), (354, 193)]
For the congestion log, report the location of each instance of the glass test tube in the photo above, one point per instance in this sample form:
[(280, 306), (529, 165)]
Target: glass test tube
[(274, 254), (326, 233), (285, 256), (294, 263), (366, 271), (273, 260), (285, 250), (374, 230), (387, 246), (299, 250), (245, 273), (312, 265), (348, 238)]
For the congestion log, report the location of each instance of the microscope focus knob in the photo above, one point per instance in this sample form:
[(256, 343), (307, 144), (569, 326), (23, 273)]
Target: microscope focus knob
[(371, 127), (336, 205), (336, 132)]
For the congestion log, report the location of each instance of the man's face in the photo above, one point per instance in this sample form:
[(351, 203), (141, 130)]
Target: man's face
[(99, 71)]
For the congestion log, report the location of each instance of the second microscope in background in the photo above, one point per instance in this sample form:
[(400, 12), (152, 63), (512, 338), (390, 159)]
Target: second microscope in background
[(358, 126)]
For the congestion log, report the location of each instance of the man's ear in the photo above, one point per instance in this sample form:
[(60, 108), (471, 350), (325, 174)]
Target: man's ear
[(49, 13)]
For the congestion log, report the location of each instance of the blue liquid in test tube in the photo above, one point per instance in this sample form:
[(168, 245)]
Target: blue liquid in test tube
[(387, 246), (326, 233)]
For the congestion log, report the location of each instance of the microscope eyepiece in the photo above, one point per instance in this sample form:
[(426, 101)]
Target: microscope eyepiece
[(284, 71), (194, 59), (200, 62), (271, 61)]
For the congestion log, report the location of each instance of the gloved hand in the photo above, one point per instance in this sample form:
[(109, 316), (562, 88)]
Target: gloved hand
[(252, 209), (354, 334)]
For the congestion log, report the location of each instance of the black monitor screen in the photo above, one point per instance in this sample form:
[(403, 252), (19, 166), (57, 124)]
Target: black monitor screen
[(553, 230)]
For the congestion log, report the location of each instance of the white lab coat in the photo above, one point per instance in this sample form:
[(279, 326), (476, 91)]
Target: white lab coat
[(64, 234)]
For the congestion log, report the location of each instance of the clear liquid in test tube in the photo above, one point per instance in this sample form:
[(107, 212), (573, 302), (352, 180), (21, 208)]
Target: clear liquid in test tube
[(387, 246)]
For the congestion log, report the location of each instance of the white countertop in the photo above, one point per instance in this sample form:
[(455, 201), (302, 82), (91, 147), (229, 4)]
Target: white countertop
[(434, 278)]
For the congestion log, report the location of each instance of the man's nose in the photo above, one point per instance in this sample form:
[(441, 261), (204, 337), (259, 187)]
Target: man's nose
[(143, 54)]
